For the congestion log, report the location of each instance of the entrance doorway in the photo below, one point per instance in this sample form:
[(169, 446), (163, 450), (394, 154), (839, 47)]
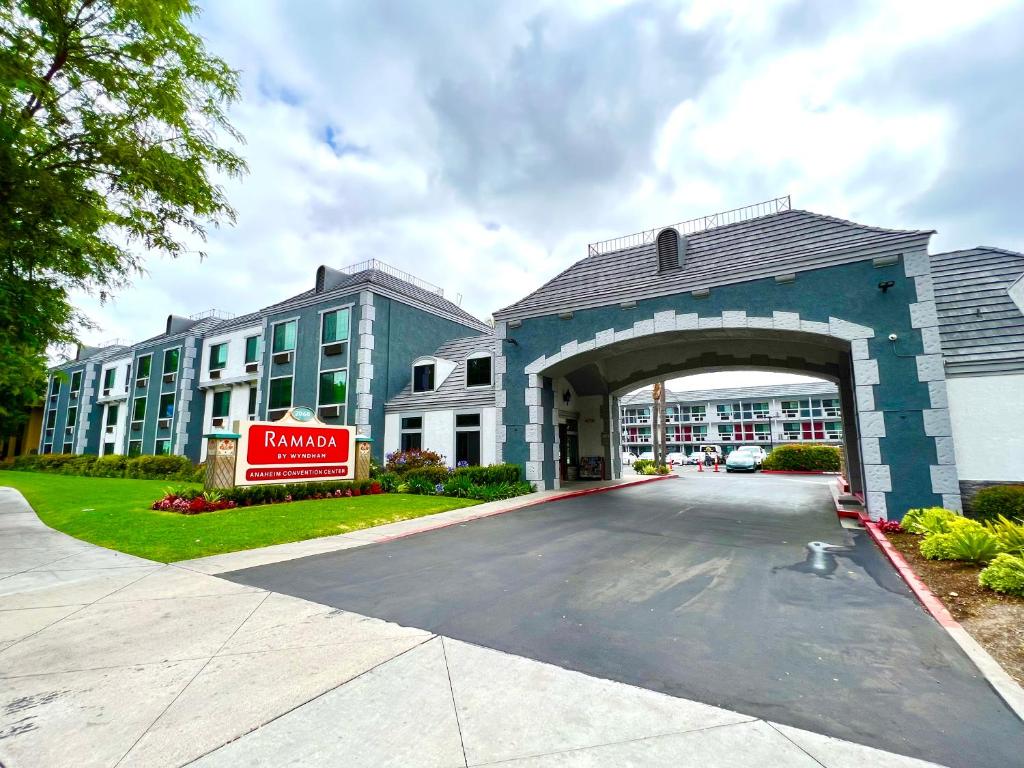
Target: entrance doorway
[(568, 450)]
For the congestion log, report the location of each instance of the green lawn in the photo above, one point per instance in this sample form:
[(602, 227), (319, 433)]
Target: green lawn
[(114, 513)]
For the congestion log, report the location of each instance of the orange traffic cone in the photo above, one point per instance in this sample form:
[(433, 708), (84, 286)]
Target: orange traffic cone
[(700, 466), (716, 466)]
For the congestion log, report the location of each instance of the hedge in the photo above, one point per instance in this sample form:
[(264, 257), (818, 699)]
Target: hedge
[(1007, 500), (803, 458), (256, 495), (491, 475), (115, 465)]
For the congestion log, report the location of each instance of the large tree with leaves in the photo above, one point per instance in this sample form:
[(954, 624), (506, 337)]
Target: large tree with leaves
[(113, 131)]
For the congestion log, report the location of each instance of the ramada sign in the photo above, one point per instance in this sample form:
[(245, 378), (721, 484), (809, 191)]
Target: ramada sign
[(296, 448)]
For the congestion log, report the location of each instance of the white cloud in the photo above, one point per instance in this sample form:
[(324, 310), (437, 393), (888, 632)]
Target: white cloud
[(482, 146)]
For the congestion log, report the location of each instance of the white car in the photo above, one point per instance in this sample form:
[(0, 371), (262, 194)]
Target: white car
[(627, 458), (676, 458), (693, 458), (646, 456), (746, 458)]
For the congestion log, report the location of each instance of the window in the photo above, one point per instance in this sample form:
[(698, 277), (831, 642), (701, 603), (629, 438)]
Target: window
[(127, 375), (412, 433), (335, 326), (109, 376), (72, 417), (166, 406), (68, 448), (163, 447), (76, 381), (51, 419), (467, 437), (281, 393), (54, 385), (221, 404), (694, 413), (218, 356), (112, 415), (252, 349), (145, 363), (423, 377), (478, 371), (139, 409), (284, 337), (252, 403), (134, 447), (332, 387), (171, 358)]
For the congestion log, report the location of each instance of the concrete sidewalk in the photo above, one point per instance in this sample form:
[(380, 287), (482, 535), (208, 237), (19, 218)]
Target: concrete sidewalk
[(108, 659)]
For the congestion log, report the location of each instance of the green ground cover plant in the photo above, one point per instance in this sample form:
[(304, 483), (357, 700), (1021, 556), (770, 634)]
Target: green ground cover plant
[(1007, 500), (1004, 574), (114, 513)]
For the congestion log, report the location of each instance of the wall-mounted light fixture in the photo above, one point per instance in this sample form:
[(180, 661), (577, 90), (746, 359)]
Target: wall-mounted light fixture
[(565, 315), (511, 341), (627, 304), (701, 293), (885, 285)]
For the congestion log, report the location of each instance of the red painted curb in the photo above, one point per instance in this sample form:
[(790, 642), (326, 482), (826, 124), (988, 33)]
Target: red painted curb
[(927, 598), (534, 503)]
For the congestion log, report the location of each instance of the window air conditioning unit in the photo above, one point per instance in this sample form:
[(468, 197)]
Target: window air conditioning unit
[(282, 358), (142, 383), (49, 432), (110, 429), (74, 396), (170, 377), (69, 430), (330, 411), (251, 367), (106, 392), (53, 398), (136, 426), (334, 349), (163, 424), (218, 421), (215, 374)]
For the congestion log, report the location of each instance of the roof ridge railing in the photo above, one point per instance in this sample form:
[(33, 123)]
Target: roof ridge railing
[(699, 224), (217, 313), (387, 269), (112, 343)]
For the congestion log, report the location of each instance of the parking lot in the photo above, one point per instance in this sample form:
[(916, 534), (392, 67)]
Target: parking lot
[(742, 591)]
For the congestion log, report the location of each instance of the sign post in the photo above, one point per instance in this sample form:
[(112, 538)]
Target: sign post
[(221, 452), (363, 457)]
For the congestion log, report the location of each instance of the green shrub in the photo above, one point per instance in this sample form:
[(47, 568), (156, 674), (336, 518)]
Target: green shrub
[(1004, 574), (459, 486), (1009, 533), (111, 465), (160, 468), (420, 485), (928, 520), (401, 462), (388, 481), (964, 539), (803, 458), (29, 463), (640, 466), (497, 491), (1007, 500), (490, 475), (433, 475), (78, 465)]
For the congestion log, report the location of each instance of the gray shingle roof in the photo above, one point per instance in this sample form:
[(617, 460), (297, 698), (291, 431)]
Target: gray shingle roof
[(805, 389), (766, 246), (453, 392), (370, 279), (981, 327)]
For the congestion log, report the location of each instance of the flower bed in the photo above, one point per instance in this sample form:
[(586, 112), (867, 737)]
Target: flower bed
[(190, 501), (426, 473)]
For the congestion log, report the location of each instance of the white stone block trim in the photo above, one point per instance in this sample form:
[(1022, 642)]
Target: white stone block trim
[(923, 314), (876, 505), (953, 501), (937, 394), (877, 477), (937, 422), (931, 343), (865, 397), (364, 400), (930, 368), (859, 349), (944, 450), (870, 450), (865, 372), (916, 263), (924, 285), (944, 479)]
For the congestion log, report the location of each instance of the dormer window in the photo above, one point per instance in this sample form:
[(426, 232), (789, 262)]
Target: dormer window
[(478, 370), (423, 377)]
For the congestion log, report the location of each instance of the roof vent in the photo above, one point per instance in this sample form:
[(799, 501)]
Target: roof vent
[(328, 278), (671, 248), (177, 323)]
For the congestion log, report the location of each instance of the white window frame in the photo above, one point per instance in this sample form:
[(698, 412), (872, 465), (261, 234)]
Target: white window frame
[(402, 431), (344, 405), (432, 361), (478, 356), (320, 335), (226, 343), (273, 328), (291, 400), (163, 359)]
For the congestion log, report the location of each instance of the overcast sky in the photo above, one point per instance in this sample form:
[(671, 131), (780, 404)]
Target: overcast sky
[(481, 146)]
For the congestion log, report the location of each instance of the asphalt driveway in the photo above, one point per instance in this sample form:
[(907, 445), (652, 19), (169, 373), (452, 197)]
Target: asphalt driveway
[(741, 591)]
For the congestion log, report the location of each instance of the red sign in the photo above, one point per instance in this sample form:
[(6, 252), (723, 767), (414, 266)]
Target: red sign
[(278, 444)]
